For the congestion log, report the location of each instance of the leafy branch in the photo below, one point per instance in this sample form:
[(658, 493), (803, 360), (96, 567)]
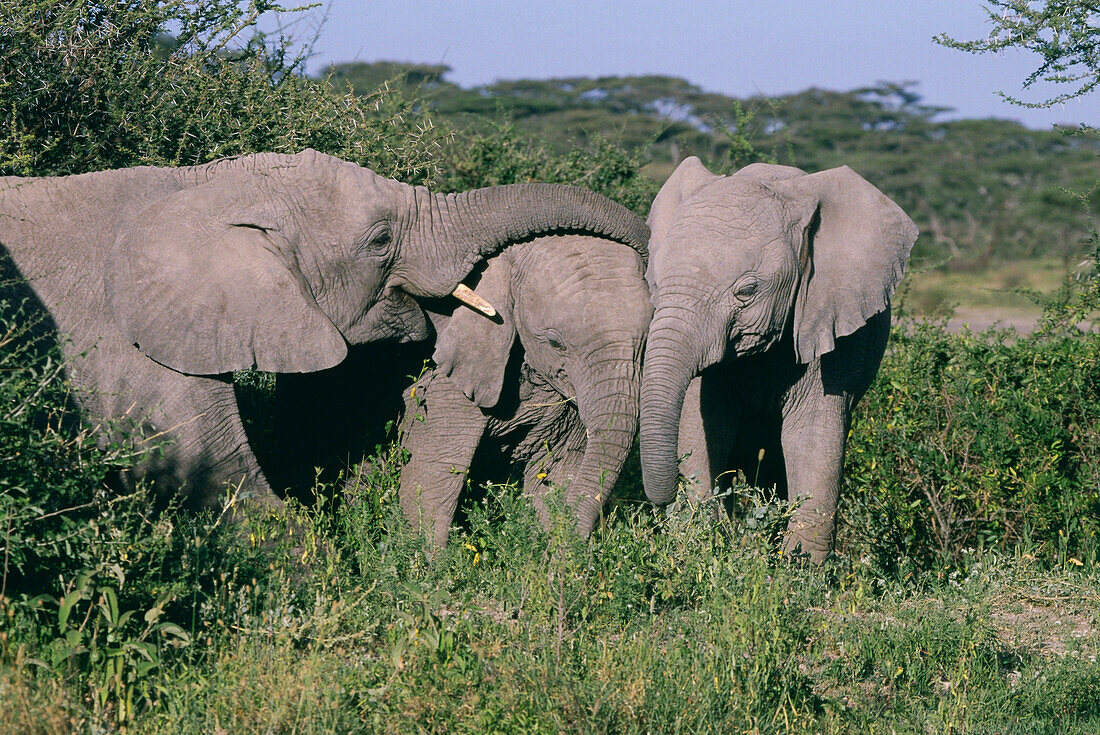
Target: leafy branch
[(1065, 33)]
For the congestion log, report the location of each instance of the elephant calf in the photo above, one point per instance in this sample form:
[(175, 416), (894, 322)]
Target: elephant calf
[(562, 399), (772, 309)]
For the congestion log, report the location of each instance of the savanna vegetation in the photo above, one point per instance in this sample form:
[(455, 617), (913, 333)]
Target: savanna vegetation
[(964, 595)]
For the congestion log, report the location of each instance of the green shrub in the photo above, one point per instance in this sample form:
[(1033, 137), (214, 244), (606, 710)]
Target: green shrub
[(52, 467), (117, 649), (976, 441), (87, 86)]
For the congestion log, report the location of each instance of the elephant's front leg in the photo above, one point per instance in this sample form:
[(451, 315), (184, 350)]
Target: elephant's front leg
[(814, 433), (207, 452), (552, 451), (442, 431), (708, 428)]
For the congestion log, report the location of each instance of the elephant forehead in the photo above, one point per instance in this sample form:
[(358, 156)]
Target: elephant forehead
[(585, 283), (727, 222), (360, 193), (616, 317), (563, 263), (336, 195), (731, 209), (616, 302)]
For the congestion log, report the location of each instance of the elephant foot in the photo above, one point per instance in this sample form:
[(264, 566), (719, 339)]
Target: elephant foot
[(803, 541)]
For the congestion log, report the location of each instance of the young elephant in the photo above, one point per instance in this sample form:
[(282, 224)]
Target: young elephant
[(563, 401), (771, 293)]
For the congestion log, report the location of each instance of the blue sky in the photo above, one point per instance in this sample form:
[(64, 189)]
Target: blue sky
[(738, 47)]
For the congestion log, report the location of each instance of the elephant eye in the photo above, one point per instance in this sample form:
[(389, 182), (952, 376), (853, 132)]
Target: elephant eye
[(377, 239), (555, 341), (746, 290)]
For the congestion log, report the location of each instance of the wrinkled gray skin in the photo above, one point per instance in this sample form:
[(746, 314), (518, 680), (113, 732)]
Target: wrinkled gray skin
[(164, 280), (771, 290), (563, 401)]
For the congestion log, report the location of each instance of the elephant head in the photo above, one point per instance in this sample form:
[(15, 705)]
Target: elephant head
[(279, 261), (739, 262), (580, 309)]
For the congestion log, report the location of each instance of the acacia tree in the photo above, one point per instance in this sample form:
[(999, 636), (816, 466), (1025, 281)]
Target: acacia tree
[(1065, 33)]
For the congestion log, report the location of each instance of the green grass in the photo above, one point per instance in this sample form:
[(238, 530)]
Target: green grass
[(657, 624)]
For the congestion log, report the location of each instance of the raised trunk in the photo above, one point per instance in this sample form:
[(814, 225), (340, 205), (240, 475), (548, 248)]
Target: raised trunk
[(671, 362), (611, 418), (467, 227)]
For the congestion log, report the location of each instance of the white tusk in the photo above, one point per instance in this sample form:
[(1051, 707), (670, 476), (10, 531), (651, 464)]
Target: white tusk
[(467, 296)]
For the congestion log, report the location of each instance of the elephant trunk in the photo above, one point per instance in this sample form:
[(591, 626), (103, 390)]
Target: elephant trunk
[(671, 361), (466, 227), (608, 406)]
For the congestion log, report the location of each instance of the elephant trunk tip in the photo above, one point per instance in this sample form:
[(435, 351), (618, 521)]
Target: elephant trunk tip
[(660, 495)]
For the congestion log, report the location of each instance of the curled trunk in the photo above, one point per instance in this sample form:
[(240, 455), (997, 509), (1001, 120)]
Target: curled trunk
[(467, 227)]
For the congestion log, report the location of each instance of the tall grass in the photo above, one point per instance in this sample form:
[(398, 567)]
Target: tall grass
[(335, 620)]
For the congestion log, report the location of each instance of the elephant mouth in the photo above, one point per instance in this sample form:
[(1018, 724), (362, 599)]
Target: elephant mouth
[(747, 344), (396, 316)]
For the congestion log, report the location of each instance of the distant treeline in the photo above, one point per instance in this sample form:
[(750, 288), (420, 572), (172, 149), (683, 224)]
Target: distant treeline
[(980, 190)]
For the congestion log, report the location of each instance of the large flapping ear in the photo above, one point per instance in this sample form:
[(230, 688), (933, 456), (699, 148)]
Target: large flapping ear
[(858, 246), (473, 349), (688, 176), (205, 282)]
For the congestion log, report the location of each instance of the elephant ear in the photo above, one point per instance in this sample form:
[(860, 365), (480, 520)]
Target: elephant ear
[(473, 349), (204, 282), (857, 243), (688, 176)]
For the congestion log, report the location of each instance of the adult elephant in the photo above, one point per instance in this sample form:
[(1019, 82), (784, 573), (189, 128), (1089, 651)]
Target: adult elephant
[(555, 383), (771, 292), (161, 281)]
